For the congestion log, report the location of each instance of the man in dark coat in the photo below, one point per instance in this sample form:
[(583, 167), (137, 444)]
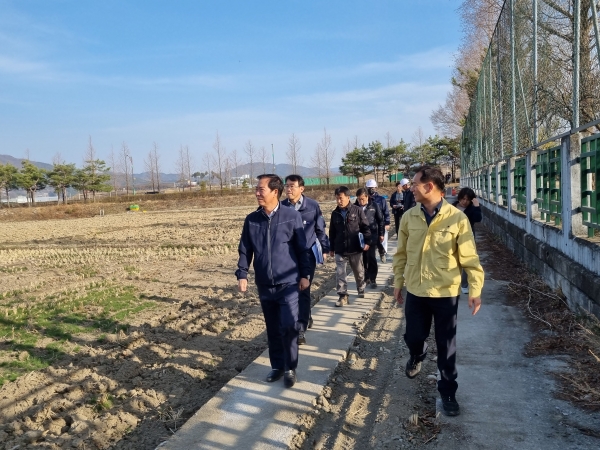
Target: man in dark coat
[(316, 240), (273, 236), (349, 234), (380, 200), (376, 224)]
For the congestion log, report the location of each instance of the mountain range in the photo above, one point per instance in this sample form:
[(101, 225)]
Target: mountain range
[(244, 169)]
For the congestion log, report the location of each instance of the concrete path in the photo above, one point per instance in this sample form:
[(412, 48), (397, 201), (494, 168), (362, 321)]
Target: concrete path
[(249, 413), (507, 399)]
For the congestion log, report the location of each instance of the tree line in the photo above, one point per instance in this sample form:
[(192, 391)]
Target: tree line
[(92, 178), (383, 160)]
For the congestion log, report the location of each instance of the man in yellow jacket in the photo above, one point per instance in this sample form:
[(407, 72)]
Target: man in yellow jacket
[(435, 243)]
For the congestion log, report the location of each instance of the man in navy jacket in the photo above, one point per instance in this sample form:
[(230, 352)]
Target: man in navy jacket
[(316, 240), (273, 236), (374, 195)]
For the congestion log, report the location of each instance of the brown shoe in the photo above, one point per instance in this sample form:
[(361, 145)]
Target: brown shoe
[(343, 300)]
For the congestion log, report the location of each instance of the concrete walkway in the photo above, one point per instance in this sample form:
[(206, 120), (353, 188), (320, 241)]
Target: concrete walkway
[(249, 413)]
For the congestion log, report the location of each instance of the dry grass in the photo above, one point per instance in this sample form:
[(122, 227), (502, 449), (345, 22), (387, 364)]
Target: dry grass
[(559, 331)]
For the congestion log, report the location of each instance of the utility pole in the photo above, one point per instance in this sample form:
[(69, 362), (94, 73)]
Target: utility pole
[(273, 155)]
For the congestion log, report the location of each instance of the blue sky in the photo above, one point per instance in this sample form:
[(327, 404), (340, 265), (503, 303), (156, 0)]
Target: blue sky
[(176, 72)]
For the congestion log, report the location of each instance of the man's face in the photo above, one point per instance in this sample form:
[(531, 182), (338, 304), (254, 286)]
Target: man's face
[(293, 191), (362, 200), (406, 187), (421, 190), (399, 188), (264, 195), (371, 190), (342, 200)]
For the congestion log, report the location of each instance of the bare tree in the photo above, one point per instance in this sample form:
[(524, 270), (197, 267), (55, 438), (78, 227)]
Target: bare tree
[(326, 153), (113, 161), (156, 164), (316, 162), (124, 164), (227, 171), (293, 152), (183, 168), (263, 157), (236, 161), (389, 140), (207, 159), (149, 166), (219, 157), (250, 151)]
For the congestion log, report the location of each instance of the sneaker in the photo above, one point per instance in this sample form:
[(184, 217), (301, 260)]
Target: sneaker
[(361, 294), (450, 405), (310, 323), (373, 285), (343, 300), (301, 338), (413, 367), (465, 290)]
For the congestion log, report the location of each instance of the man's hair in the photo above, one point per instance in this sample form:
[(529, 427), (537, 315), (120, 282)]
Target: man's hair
[(342, 190), (275, 182), (295, 177), (432, 175), (362, 191), (466, 192), (397, 183)]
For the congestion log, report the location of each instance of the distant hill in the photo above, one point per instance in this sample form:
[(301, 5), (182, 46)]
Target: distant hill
[(7, 159)]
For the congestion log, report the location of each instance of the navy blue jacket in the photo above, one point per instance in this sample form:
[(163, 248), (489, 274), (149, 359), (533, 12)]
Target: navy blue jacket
[(313, 221), (383, 206), (473, 213), (277, 245), (375, 219), (343, 232)]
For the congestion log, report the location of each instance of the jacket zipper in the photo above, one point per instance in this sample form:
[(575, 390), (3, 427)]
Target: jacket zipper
[(269, 250)]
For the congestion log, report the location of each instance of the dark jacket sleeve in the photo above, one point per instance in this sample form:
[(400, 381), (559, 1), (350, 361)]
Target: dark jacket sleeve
[(332, 232), (320, 231), (386, 212), (474, 214), (363, 225), (245, 252), (409, 201), (301, 248), (380, 222)]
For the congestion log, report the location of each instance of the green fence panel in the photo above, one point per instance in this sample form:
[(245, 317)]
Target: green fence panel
[(504, 184), (520, 184), (493, 184), (590, 172), (547, 178)]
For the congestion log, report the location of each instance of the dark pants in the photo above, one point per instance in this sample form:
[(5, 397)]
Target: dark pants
[(304, 299), (280, 309), (419, 311), (397, 218), (370, 263)]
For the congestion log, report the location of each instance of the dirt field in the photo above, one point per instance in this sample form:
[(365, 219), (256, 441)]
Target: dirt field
[(114, 330)]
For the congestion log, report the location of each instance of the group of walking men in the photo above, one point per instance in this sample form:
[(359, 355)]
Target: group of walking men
[(285, 240)]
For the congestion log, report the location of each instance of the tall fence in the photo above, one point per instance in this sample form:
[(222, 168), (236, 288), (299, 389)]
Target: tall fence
[(530, 144)]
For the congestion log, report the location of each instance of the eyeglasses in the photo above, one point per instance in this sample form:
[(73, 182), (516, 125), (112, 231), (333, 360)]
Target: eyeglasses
[(291, 187)]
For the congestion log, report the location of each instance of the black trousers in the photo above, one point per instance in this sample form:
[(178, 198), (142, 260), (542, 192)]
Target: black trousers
[(304, 299), (443, 310), (397, 218), (280, 309), (370, 263)]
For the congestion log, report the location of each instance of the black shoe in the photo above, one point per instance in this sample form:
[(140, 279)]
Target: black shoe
[(450, 405), (289, 378), (361, 294), (310, 323), (301, 338), (413, 367), (373, 285), (274, 375)]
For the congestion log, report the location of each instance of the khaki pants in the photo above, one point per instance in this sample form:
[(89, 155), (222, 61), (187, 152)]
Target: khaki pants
[(356, 264)]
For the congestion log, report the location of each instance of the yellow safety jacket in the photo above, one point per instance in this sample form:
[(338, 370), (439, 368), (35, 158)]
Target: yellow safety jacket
[(429, 259)]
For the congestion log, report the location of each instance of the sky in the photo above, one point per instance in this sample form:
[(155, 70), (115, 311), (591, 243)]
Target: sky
[(178, 72)]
